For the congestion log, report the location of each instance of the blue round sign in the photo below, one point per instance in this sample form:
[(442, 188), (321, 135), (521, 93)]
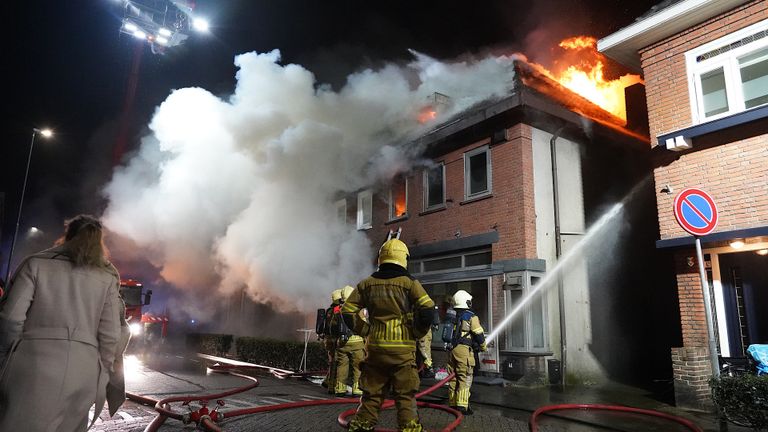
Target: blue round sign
[(695, 211)]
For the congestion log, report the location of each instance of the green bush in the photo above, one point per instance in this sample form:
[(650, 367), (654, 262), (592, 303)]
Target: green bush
[(214, 344), (281, 354), (742, 399)]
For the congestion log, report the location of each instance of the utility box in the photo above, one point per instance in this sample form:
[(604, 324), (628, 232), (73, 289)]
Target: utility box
[(554, 371)]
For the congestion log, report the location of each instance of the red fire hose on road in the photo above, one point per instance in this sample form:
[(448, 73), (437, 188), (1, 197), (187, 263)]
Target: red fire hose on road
[(535, 427), (208, 419)]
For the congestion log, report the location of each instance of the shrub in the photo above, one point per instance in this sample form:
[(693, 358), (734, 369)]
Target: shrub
[(214, 344), (280, 354), (742, 399)]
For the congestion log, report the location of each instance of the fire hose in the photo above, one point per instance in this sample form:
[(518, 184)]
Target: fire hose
[(535, 427), (208, 419)]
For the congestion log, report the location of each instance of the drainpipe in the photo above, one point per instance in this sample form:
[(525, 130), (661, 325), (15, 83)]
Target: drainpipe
[(558, 253)]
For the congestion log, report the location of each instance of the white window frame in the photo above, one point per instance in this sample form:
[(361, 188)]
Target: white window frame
[(361, 223), (729, 61), (392, 216), (483, 149), (426, 188), (339, 205), (526, 287)]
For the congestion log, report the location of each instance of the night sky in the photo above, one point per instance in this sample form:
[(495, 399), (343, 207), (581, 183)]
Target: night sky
[(66, 66)]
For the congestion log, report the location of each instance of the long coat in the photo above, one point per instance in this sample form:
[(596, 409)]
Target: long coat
[(60, 327)]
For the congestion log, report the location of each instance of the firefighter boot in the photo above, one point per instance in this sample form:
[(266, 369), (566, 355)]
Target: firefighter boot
[(413, 426), (360, 426), (356, 390)]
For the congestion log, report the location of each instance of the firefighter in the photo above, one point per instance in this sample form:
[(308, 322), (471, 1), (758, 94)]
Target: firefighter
[(399, 312), (349, 354), (330, 343), (425, 355), (468, 338)]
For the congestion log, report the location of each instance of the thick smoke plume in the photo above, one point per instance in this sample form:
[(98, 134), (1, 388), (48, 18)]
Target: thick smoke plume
[(238, 193)]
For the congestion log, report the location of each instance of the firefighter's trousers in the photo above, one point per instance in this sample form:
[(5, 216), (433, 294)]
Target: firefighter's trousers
[(330, 377), (381, 371), (462, 363), (349, 355), (425, 349)]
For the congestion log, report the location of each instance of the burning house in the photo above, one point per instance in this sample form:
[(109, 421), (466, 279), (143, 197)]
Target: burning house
[(706, 68), (511, 187)]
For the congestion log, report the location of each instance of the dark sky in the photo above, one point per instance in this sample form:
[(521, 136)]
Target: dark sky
[(66, 66)]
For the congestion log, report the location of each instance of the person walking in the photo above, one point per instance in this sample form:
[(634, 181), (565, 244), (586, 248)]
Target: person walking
[(399, 312), (468, 338), (62, 335), (349, 354)]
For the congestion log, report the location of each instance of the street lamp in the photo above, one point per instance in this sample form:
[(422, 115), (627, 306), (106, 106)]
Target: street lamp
[(46, 133)]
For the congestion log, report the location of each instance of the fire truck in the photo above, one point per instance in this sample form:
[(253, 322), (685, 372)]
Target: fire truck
[(135, 298)]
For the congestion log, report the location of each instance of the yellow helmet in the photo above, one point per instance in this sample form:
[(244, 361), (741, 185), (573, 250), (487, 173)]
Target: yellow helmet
[(336, 295), (394, 251), (346, 291)]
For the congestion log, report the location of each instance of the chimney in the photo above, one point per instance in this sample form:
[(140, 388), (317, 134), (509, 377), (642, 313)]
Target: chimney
[(637, 109)]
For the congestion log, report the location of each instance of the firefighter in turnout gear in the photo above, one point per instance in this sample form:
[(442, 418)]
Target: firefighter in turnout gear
[(468, 338), (350, 352), (330, 343), (399, 312)]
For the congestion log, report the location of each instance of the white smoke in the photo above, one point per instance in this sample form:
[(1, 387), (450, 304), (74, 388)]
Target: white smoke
[(239, 193)]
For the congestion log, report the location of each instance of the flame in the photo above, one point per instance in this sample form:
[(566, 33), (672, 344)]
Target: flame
[(400, 209), (581, 70), (427, 114)]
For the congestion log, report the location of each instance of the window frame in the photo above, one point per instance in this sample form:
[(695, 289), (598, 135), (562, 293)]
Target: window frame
[(361, 224), (467, 177), (426, 206), (420, 262), (729, 61), (486, 322), (392, 217), (528, 318)]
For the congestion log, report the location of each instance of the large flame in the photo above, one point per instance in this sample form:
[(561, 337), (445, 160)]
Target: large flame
[(581, 69)]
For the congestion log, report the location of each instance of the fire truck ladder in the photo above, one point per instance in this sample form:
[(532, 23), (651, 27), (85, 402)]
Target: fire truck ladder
[(394, 234)]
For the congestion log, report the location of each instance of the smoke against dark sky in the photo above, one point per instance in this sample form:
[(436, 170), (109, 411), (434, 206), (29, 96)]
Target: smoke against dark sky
[(68, 68)]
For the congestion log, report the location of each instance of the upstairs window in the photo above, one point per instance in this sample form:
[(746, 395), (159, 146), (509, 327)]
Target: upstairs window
[(341, 210), (365, 209), (477, 172), (434, 187), (398, 198), (729, 75)]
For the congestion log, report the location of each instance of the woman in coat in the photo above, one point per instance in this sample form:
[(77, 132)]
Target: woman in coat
[(60, 327)]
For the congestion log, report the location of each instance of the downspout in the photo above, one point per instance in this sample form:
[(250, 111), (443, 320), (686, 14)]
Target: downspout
[(558, 254)]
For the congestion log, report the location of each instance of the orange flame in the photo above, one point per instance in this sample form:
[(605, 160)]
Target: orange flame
[(426, 114), (581, 69)]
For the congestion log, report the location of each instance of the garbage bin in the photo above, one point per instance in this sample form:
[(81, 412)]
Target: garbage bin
[(554, 371)]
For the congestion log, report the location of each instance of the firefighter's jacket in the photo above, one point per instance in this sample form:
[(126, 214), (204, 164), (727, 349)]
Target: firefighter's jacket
[(60, 327), (391, 296)]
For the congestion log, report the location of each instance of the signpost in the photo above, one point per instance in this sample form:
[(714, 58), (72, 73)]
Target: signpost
[(696, 213)]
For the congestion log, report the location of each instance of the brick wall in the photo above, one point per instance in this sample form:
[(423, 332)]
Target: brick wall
[(691, 368), (736, 174), (510, 210), (691, 299)]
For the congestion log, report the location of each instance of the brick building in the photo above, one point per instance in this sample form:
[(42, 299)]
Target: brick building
[(493, 214), (705, 64)]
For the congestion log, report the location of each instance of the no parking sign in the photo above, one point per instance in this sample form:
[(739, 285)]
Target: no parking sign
[(695, 211)]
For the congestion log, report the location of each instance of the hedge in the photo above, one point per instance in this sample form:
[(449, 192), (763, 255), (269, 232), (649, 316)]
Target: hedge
[(281, 354), (742, 399), (207, 343)]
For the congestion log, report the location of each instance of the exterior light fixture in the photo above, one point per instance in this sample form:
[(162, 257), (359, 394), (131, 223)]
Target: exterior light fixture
[(762, 252), (131, 27), (164, 32), (161, 40), (737, 243), (200, 24), (140, 34)]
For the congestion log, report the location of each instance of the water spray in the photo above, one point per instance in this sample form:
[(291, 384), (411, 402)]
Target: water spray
[(587, 241)]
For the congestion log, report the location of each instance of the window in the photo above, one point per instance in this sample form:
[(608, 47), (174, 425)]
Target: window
[(341, 211), (398, 198), (729, 75), (468, 260), (364, 209), (527, 331), (434, 187), (477, 172)]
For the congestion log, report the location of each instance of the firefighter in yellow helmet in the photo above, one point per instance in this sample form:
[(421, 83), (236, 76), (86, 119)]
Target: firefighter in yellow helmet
[(468, 337), (330, 342), (399, 312), (350, 352)]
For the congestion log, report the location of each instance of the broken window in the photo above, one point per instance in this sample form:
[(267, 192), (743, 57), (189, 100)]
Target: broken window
[(398, 198)]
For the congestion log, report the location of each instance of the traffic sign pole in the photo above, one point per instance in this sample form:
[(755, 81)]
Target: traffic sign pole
[(708, 311)]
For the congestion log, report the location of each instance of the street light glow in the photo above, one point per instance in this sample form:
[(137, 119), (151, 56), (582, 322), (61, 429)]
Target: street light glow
[(200, 24), (34, 230), (47, 133), (140, 34), (163, 32)]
